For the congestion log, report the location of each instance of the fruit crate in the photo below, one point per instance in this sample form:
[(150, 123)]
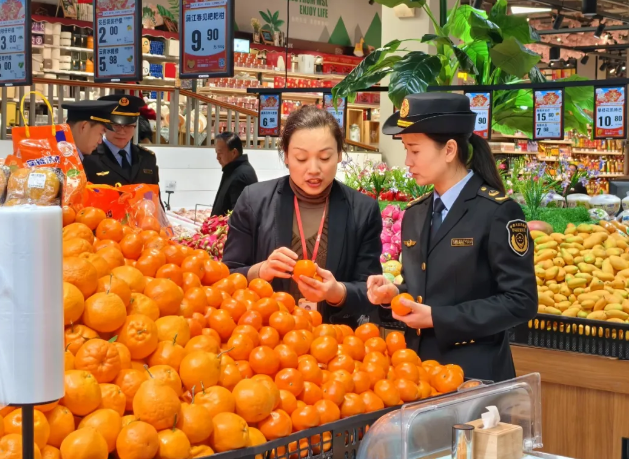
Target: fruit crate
[(573, 334)]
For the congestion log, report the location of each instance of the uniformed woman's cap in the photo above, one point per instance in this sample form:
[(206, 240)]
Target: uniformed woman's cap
[(90, 110), (432, 113), (127, 109)]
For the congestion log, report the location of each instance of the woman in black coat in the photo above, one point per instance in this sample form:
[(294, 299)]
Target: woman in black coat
[(339, 227)]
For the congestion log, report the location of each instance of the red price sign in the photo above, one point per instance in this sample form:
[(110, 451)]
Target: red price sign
[(610, 112), (270, 115), (207, 45)]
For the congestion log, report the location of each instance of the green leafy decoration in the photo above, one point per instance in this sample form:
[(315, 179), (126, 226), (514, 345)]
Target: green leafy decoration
[(409, 3), (458, 24), (478, 52), (512, 25), (536, 76), (166, 13), (412, 74), (483, 29), (513, 58)]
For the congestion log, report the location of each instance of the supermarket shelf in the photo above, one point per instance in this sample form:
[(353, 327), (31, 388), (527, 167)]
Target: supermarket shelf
[(500, 152), (159, 80), (323, 76), (364, 107), (577, 151), (610, 175), (556, 142), (69, 48)]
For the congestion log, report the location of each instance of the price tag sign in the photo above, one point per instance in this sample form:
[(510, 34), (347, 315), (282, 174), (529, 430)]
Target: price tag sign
[(610, 112), (207, 44), (15, 43), (269, 115), (117, 47), (548, 122), (339, 112), (480, 103)]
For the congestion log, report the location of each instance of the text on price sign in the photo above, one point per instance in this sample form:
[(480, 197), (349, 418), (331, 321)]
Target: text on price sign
[(205, 36)]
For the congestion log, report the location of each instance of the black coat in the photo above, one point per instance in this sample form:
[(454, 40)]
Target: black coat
[(236, 176), (102, 168), (262, 221), (477, 285)]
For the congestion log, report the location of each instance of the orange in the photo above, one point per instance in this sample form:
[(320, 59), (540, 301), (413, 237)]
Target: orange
[(174, 254), (76, 246), (324, 330), (216, 400), (168, 353), (50, 452), (305, 418), (170, 326), (372, 401), (288, 402), (125, 355), (213, 271), (375, 345), (106, 244), (225, 285), (13, 425), (268, 382), (113, 284), (190, 280), (253, 318), (213, 296), (447, 379), (200, 451), (132, 246), (230, 376), (194, 422), (424, 390), (132, 277), (328, 411), (156, 403), (201, 369), (158, 243), (104, 312), (269, 336), (68, 217), (239, 281), (229, 432), (147, 235), (167, 375), (266, 307), (306, 268), (76, 335), (302, 323), (388, 392), (85, 443), (73, 303), (128, 419), (78, 230), (68, 361), (398, 308), (408, 390), (82, 392), (109, 229), (148, 222), (407, 371), (316, 318), (249, 331), (404, 355), (148, 265), (202, 343), (166, 294), (172, 272), (80, 273), (223, 323), (297, 341), (241, 347), (142, 304), (376, 373), (245, 369), (99, 357), (253, 399), (173, 444), (366, 331), (234, 308), (341, 362), (11, 447), (291, 380), (286, 299), (264, 360), (288, 357), (352, 405), (324, 348), (310, 371), (112, 255), (129, 381), (102, 267), (107, 422), (283, 322), (395, 341), (139, 334), (277, 425), (90, 217), (195, 265), (197, 299), (311, 393), (261, 287), (113, 398), (46, 407), (334, 391), (137, 440)]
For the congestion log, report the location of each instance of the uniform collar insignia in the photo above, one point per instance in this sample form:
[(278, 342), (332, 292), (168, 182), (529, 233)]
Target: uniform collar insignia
[(410, 243)]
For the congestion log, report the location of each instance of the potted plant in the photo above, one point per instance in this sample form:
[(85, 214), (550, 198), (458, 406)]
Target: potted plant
[(273, 24), (256, 30)]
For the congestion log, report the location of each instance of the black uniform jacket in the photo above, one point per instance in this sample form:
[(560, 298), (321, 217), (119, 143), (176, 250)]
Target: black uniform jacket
[(101, 167), (262, 221), (477, 275), (236, 176)]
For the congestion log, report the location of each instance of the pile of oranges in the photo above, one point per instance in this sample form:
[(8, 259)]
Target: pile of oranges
[(170, 356)]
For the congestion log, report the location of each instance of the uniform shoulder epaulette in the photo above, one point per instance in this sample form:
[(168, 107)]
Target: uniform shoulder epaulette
[(423, 197), (146, 149), (492, 195)]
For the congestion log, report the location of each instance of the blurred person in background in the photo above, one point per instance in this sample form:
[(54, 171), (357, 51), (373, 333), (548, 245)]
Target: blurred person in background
[(145, 134), (237, 172)]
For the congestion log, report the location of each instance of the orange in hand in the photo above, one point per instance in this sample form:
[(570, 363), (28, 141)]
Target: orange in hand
[(397, 306), (306, 268)]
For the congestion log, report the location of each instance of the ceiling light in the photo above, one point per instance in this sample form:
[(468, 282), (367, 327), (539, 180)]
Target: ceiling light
[(559, 39), (529, 10), (588, 7), (558, 20), (584, 59), (624, 67), (599, 29)]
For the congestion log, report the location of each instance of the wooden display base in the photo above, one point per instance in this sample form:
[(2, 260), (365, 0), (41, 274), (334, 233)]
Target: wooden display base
[(585, 401)]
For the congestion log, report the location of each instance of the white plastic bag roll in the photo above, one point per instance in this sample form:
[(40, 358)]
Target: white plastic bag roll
[(31, 305)]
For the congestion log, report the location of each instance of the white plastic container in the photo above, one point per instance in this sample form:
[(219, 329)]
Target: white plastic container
[(578, 199), (608, 202)]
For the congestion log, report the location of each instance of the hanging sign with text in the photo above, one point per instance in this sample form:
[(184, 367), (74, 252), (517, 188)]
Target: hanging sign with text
[(480, 103), (339, 112), (269, 115), (610, 112), (117, 44), (15, 43), (207, 39), (548, 121)]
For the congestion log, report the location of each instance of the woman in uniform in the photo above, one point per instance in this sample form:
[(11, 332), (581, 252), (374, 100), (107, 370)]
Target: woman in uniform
[(466, 250), (309, 215)]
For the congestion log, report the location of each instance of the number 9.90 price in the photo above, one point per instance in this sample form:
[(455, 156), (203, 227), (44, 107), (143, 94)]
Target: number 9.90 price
[(212, 35)]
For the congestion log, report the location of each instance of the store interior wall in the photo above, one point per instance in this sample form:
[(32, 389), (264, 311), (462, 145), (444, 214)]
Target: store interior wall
[(198, 173)]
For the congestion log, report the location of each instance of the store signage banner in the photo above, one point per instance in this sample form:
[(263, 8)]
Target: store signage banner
[(480, 103), (339, 112), (117, 45), (610, 112), (270, 115), (548, 121), (15, 43), (207, 39)]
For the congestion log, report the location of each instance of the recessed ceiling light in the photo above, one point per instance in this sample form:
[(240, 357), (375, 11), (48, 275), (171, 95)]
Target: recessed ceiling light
[(529, 10)]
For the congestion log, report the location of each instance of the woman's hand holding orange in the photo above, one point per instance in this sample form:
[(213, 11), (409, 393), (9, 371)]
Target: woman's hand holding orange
[(327, 289), (380, 290), (279, 264)]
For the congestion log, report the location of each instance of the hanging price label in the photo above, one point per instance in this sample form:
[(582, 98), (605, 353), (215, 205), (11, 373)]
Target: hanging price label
[(610, 112), (548, 122), (339, 112), (15, 43), (117, 46), (269, 115), (480, 103), (207, 48)]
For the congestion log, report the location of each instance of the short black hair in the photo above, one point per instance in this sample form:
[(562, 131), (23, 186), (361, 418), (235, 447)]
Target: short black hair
[(232, 141)]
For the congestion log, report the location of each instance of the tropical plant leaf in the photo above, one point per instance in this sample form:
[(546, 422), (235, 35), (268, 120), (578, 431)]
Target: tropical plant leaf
[(576, 118), (509, 122), (465, 62), (536, 76), (483, 29), (276, 16), (583, 96), (409, 3), (278, 24), (265, 17), (513, 58), (412, 75), (458, 24), (478, 52), (166, 13), (436, 39), (512, 25), (174, 8)]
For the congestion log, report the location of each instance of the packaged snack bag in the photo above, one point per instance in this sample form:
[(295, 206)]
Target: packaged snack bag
[(49, 147)]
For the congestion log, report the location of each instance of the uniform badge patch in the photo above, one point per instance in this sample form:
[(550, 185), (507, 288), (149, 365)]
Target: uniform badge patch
[(404, 109), (124, 102), (409, 243), (518, 234), (462, 242), (148, 171), (102, 174)]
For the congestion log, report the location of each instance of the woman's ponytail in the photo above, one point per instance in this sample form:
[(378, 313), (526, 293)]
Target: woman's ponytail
[(482, 162)]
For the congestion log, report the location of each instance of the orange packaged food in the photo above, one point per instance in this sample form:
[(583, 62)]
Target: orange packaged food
[(39, 186)]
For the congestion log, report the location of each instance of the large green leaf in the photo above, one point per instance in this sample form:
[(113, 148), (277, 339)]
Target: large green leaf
[(465, 63), (512, 25), (409, 3), (265, 16), (583, 96), (478, 52), (509, 121), (436, 40), (513, 58), (458, 24), (536, 76), (412, 75), (484, 30)]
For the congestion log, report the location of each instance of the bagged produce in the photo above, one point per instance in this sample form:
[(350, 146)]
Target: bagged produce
[(4, 179), (41, 186)]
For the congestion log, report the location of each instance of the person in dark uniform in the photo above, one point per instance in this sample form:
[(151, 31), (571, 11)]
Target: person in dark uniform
[(88, 121), (237, 172), (309, 215), (466, 250), (117, 160)]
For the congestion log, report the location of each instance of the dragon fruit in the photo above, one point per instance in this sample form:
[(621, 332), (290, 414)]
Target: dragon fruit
[(211, 237), (391, 211), (397, 227), (386, 235), (396, 240)]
